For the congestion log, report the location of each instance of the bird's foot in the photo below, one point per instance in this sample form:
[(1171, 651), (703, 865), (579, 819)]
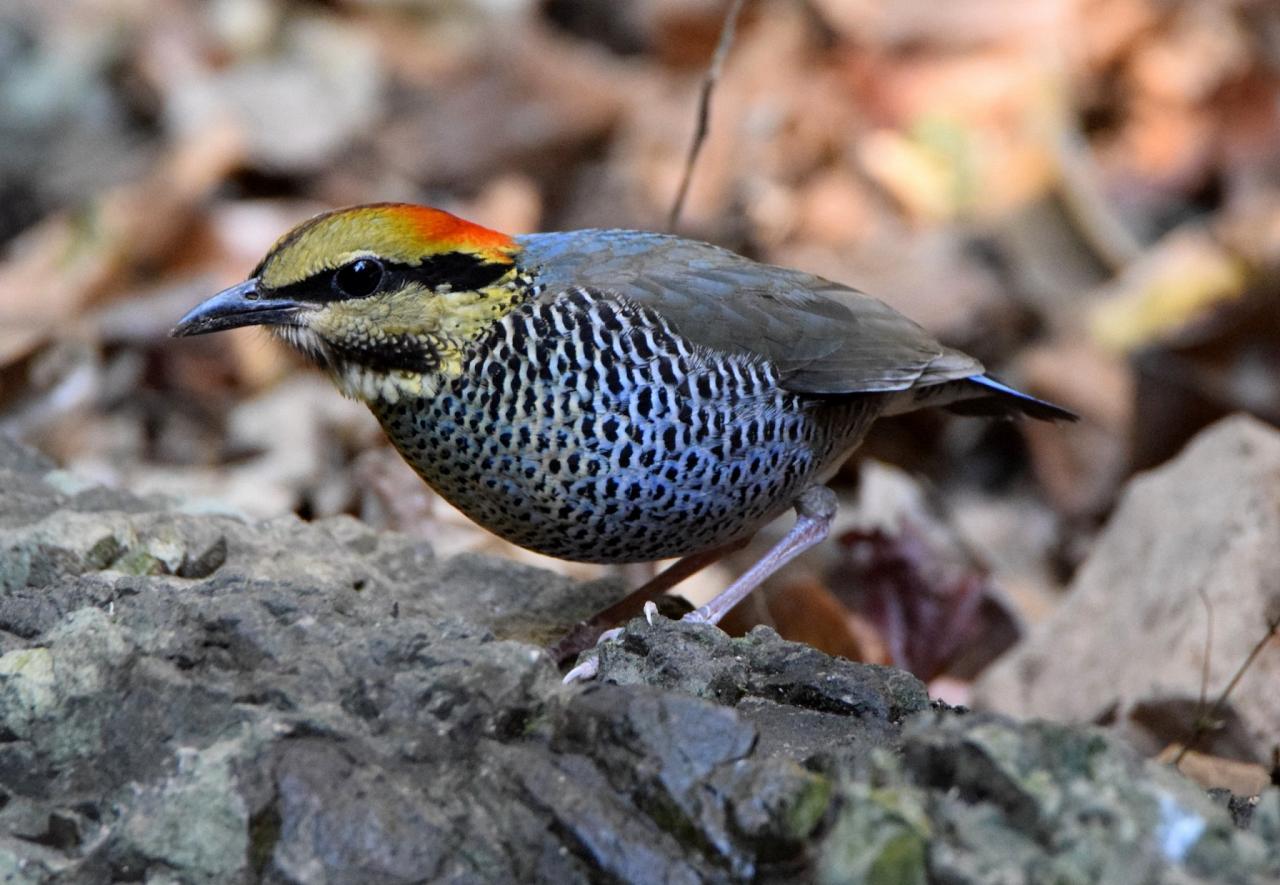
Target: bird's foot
[(698, 616), (815, 509), (585, 633), (591, 666)]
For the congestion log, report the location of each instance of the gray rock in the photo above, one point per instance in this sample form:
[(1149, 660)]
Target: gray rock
[(1187, 568), (979, 798), (196, 698)]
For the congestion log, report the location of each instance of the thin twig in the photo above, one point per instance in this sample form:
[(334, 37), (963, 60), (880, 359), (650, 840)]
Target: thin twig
[(1208, 649), (704, 107), (1205, 723)]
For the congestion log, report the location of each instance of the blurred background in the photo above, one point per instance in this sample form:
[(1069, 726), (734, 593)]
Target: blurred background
[(1083, 193)]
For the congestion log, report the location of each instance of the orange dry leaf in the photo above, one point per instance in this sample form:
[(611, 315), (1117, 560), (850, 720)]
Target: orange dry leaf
[(1215, 772), (810, 613)]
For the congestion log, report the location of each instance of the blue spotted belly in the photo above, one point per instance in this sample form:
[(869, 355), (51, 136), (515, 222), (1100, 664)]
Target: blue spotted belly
[(583, 427)]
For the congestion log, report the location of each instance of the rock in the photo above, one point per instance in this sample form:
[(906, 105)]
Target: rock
[(1130, 642), (191, 697), (1022, 803)]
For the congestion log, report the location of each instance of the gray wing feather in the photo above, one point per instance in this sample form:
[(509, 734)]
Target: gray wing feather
[(824, 338)]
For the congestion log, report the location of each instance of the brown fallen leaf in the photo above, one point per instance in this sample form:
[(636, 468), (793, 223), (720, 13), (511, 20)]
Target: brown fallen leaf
[(934, 613), (807, 611), (1217, 772)]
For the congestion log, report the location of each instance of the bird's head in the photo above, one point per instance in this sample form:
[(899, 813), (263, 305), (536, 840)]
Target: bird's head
[(384, 296)]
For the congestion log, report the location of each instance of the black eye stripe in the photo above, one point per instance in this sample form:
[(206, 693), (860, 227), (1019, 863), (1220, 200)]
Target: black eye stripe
[(459, 270)]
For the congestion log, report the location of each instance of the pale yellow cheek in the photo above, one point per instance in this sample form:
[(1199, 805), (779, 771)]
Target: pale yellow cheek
[(456, 315), (340, 322), (447, 319), (357, 382)]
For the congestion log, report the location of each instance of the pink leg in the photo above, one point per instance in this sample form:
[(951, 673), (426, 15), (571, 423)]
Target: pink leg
[(815, 508), (585, 633)]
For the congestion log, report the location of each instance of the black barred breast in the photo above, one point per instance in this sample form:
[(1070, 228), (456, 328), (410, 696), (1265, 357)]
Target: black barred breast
[(582, 426)]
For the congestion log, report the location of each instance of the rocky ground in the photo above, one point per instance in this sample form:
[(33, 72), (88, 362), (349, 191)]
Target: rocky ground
[(192, 697), (1182, 583)]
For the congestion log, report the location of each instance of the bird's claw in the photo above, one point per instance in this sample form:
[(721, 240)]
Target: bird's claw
[(583, 672), (589, 668), (609, 636)]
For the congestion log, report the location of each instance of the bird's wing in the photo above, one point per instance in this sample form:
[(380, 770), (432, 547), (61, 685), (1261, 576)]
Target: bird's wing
[(822, 337)]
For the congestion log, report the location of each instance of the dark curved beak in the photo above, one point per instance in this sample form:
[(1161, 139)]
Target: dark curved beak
[(241, 305)]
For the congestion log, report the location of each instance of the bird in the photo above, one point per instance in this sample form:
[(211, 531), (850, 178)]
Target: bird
[(607, 396)]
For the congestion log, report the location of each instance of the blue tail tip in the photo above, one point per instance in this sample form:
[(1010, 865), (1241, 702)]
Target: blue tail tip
[(1015, 401)]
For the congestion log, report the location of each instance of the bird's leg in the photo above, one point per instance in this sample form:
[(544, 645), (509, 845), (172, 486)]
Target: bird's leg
[(584, 634), (815, 509)]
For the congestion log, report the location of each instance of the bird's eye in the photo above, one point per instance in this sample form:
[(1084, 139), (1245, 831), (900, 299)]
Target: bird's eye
[(358, 279)]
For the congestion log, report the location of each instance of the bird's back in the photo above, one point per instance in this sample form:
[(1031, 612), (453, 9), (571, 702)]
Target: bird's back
[(823, 338)]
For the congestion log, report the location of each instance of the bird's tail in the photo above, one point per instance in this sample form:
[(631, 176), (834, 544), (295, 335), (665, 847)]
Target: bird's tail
[(980, 395)]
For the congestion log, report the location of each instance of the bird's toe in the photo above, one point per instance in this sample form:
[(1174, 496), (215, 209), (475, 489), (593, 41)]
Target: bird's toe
[(583, 672), (650, 612)]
